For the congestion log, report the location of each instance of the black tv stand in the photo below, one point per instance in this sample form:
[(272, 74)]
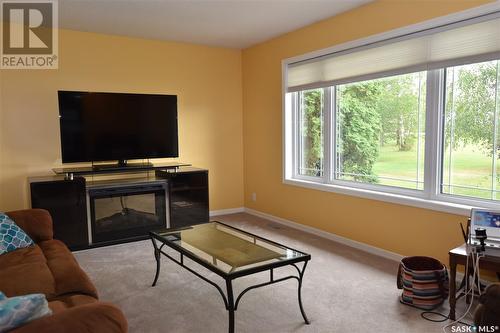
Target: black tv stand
[(178, 194), (121, 165)]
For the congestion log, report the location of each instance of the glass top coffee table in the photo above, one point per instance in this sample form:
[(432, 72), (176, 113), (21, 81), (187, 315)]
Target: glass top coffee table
[(230, 253)]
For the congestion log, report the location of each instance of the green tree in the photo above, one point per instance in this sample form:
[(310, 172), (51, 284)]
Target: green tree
[(398, 106), (312, 130), (358, 130), (471, 102)]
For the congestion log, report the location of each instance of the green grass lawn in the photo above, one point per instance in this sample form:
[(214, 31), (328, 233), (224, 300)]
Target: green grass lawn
[(470, 167)]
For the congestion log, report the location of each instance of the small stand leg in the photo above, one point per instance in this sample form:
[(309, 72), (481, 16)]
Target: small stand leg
[(453, 286)]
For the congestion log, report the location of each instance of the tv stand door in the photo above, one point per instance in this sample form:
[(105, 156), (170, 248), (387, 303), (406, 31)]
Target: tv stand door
[(188, 197), (66, 201)]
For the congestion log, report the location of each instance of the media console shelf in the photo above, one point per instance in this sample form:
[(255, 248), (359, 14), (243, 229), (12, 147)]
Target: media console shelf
[(70, 172), (95, 212)]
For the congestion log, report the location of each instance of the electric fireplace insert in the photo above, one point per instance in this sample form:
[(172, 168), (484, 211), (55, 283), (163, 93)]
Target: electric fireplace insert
[(127, 212)]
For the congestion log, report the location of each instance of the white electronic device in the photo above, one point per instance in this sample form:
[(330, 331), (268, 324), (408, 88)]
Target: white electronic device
[(489, 220)]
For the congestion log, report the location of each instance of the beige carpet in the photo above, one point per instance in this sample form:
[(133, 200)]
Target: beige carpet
[(345, 290)]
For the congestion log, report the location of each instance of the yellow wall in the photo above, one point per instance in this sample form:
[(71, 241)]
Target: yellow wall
[(401, 229), (238, 137), (207, 81)]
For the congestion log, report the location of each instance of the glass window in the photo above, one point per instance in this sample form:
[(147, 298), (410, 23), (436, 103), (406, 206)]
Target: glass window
[(470, 149), (310, 140), (380, 131), (372, 134)]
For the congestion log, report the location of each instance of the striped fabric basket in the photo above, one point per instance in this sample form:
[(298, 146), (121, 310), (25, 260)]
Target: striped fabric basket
[(424, 282)]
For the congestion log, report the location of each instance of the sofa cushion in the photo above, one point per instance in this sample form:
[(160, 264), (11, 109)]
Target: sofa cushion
[(48, 268), (36, 222), (65, 302), (95, 317), (25, 271), (12, 237), (69, 277)]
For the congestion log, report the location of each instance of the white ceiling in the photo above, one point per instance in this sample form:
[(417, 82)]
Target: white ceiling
[(225, 23)]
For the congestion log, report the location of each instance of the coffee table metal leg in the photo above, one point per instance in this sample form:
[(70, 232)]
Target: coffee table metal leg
[(230, 304), (158, 261), (301, 275)]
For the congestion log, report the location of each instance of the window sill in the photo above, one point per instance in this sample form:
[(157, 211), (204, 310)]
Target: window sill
[(440, 206)]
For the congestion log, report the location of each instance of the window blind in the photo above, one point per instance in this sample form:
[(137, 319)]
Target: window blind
[(473, 40)]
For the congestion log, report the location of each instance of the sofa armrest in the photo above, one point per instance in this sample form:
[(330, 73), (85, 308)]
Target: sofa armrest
[(95, 317), (37, 223), (488, 311)]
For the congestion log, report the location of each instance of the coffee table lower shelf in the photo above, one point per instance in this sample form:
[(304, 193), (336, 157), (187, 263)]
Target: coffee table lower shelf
[(230, 302)]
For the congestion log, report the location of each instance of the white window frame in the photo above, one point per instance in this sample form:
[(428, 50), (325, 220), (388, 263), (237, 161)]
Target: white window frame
[(430, 197), (296, 146)]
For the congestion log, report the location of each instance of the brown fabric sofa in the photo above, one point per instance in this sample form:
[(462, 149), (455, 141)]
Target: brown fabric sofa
[(488, 311), (48, 267)]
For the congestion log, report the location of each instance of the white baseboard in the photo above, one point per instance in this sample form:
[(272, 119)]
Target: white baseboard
[(336, 238), (339, 239), (227, 211)]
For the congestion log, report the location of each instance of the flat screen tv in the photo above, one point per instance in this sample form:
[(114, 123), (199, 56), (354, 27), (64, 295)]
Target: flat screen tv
[(98, 126)]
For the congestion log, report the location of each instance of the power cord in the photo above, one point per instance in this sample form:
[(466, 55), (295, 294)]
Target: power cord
[(445, 317), (475, 256), (475, 263), (124, 206)]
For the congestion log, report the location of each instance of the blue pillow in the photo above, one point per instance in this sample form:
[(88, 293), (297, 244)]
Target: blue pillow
[(11, 236), (19, 310)]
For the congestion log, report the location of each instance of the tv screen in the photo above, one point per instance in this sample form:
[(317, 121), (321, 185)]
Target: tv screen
[(98, 126)]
